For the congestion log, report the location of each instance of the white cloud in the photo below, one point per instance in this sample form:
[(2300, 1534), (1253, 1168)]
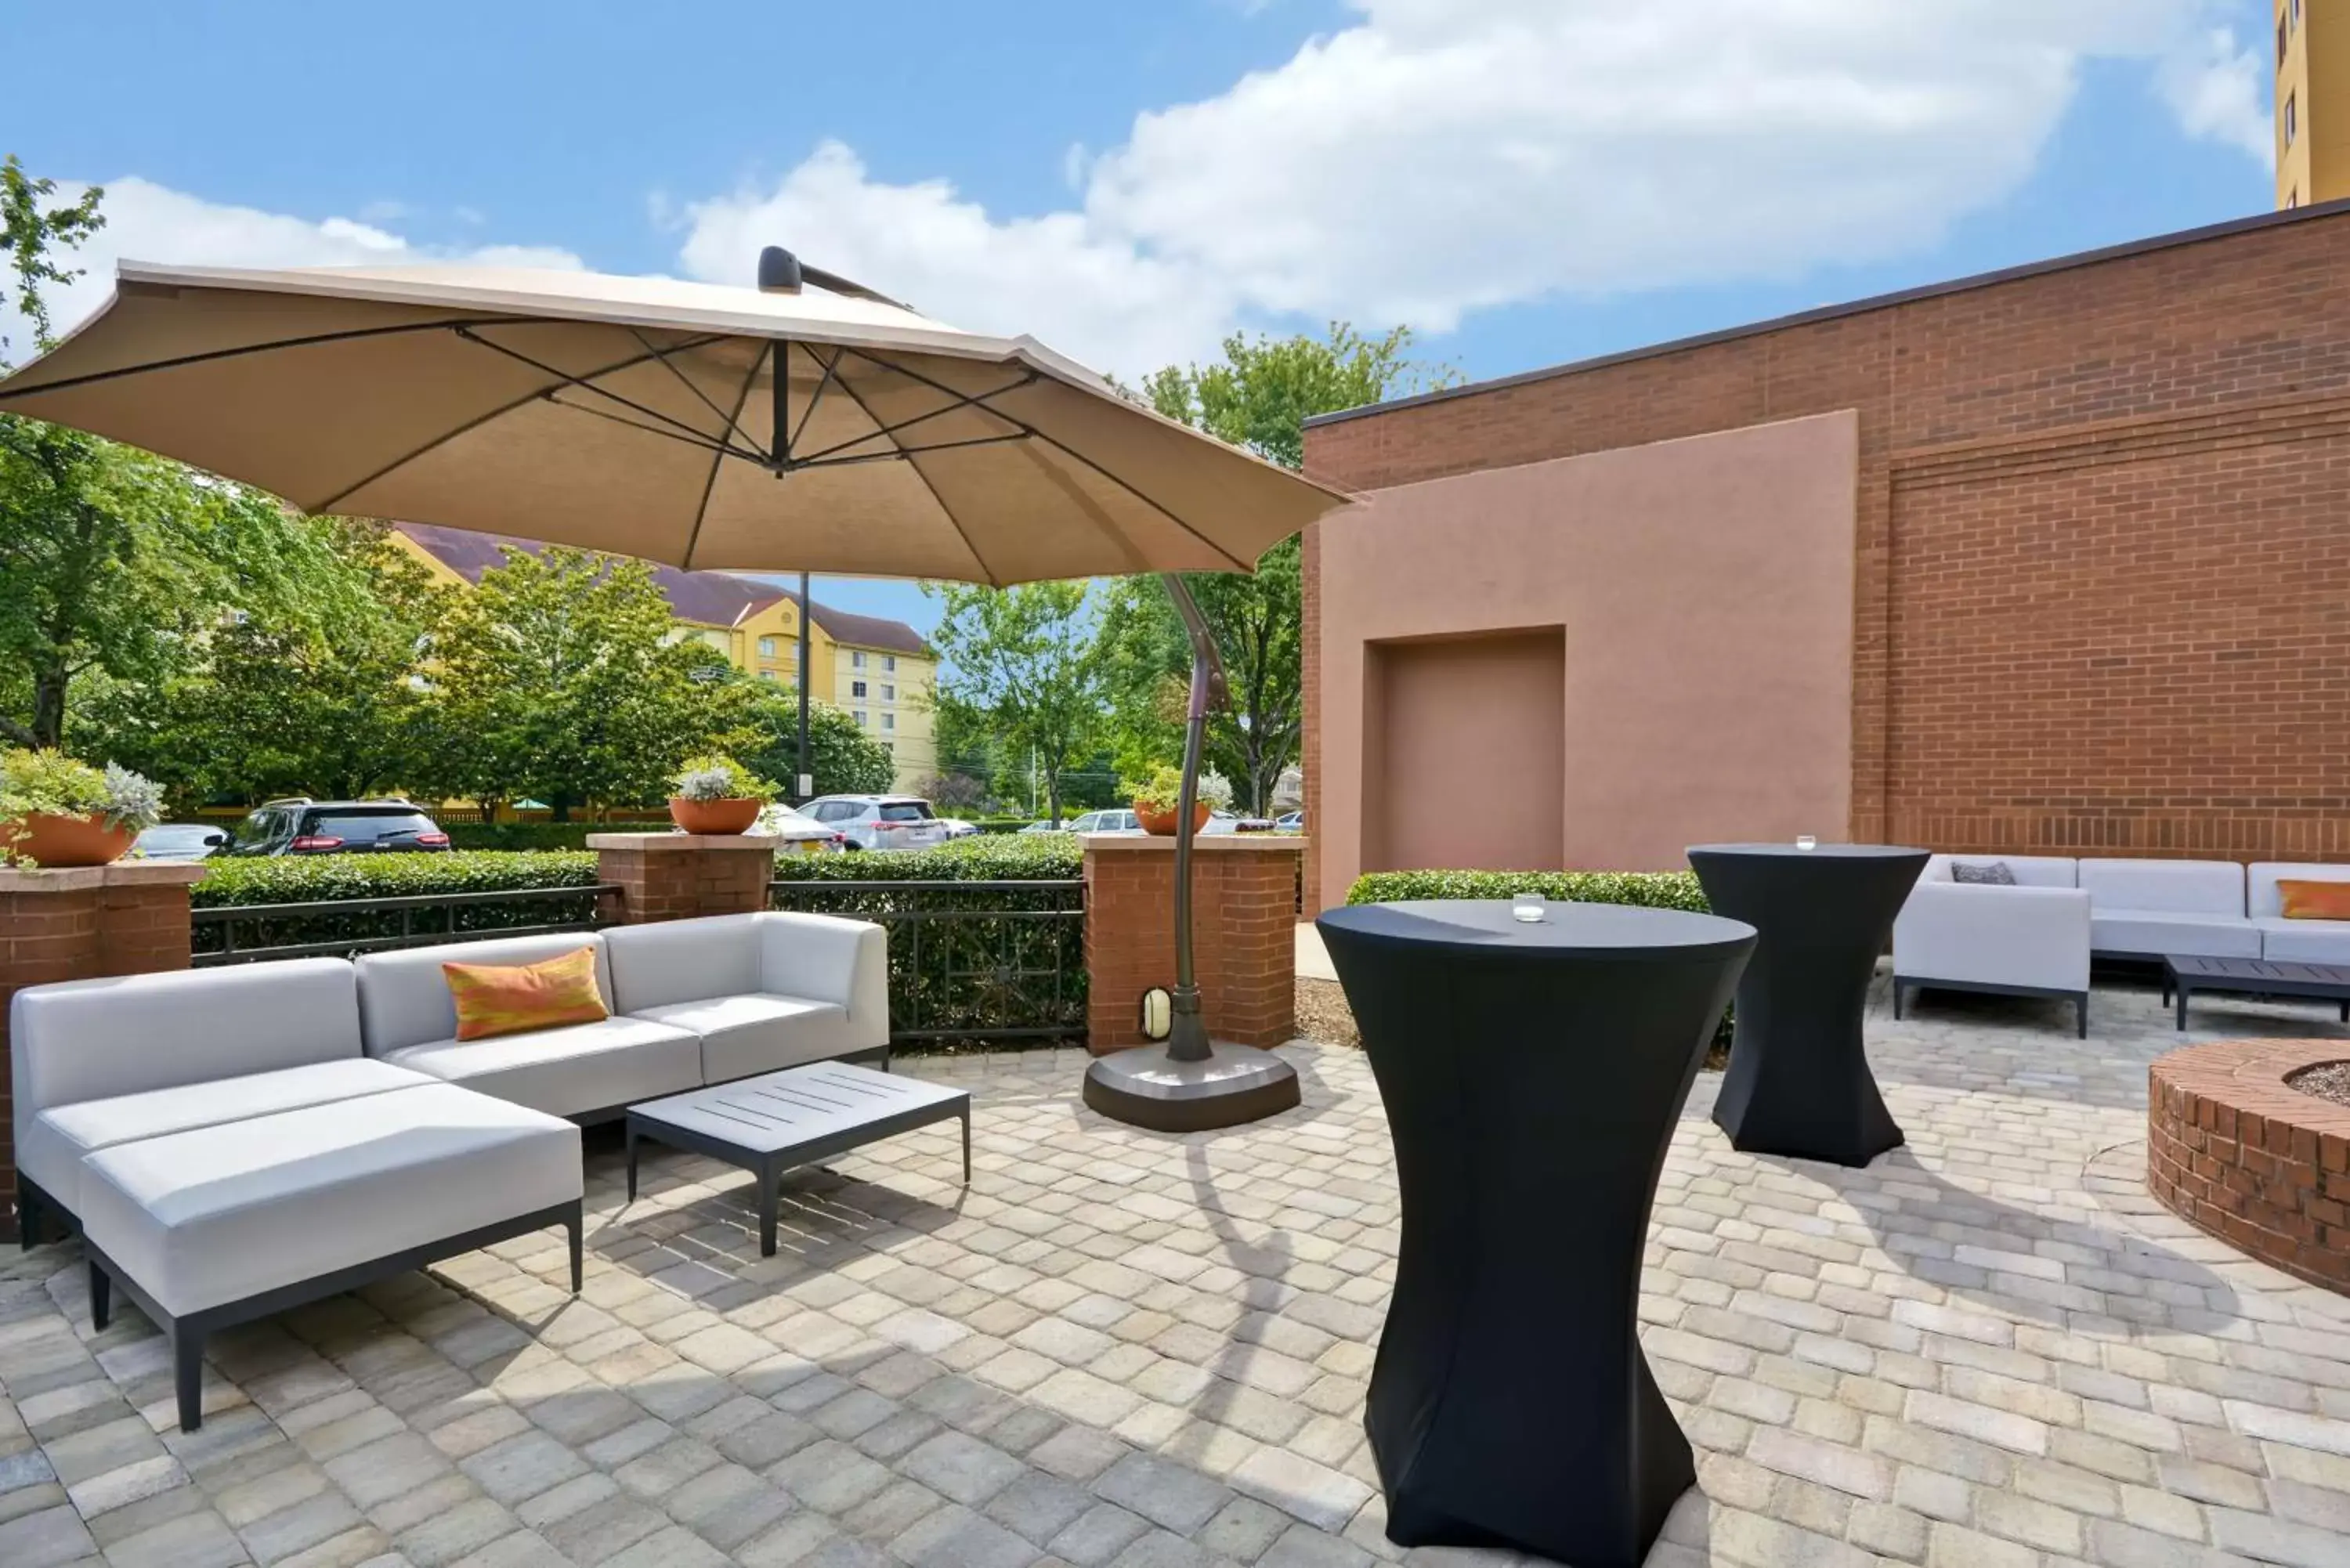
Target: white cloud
[(151, 222), (1441, 156)]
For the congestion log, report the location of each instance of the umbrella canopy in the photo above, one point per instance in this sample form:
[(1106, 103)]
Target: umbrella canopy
[(813, 425)]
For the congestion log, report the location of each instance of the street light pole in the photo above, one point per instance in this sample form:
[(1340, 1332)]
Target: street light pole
[(808, 613)]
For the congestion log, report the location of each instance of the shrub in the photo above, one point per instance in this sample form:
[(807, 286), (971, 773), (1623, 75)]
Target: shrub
[(1654, 890), (715, 777), (50, 784), (527, 834), (301, 880), (953, 981)]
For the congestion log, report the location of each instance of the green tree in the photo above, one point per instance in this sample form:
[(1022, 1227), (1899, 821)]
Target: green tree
[(1259, 397), (114, 564), (557, 677), (1025, 664), (843, 759)]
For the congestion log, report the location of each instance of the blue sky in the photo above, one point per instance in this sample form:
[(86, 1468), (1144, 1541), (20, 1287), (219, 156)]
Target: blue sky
[(1525, 182)]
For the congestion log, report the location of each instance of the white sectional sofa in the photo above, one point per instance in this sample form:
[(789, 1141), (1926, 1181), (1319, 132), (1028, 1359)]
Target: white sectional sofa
[(2036, 937), (236, 1141)]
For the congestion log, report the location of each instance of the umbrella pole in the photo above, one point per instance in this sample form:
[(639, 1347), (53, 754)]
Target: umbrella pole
[(1191, 1083)]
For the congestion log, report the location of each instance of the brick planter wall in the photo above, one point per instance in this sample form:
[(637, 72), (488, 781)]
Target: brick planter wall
[(78, 924), (1243, 935), (682, 876), (2265, 1167)]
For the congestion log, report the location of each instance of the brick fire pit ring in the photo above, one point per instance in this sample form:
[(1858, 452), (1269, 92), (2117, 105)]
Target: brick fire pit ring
[(2232, 1149)]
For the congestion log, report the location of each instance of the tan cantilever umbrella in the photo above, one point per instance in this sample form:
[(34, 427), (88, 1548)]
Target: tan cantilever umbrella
[(810, 425)]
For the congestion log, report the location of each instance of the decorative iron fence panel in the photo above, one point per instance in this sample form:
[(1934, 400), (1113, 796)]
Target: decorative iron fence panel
[(975, 960), (249, 933)]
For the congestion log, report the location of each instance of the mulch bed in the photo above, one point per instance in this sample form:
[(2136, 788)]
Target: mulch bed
[(1323, 1015), (2327, 1081)]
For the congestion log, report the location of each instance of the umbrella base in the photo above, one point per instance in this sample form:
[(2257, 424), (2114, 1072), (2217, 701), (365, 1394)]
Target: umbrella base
[(1145, 1087)]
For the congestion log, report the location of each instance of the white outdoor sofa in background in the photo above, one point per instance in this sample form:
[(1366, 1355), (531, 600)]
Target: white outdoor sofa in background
[(239, 1140), (2036, 937), (2029, 939)]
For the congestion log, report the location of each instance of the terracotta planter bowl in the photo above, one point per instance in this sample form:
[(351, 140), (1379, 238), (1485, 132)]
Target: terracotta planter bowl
[(51, 841), (714, 816), (1161, 824)]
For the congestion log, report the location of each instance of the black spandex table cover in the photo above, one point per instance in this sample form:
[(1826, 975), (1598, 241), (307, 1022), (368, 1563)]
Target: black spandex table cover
[(1532, 1076), (1798, 1082)]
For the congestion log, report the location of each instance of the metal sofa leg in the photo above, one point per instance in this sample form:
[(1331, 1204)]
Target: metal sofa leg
[(575, 1227), (1896, 999), (29, 1213), (101, 1296), (2081, 1012), (188, 1374)]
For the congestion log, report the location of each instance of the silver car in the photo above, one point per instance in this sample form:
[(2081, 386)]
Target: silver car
[(878, 821), (1103, 822)]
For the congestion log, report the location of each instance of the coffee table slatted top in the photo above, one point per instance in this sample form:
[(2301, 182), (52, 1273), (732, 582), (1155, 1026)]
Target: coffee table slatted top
[(788, 1110)]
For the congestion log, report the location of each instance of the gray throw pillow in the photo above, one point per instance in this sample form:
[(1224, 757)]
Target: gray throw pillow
[(1994, 874)]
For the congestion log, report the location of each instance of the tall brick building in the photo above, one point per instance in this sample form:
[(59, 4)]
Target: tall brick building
[(2094, 515)]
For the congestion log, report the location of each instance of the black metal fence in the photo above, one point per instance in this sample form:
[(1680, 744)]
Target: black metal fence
[(976, 961), (246, 933)]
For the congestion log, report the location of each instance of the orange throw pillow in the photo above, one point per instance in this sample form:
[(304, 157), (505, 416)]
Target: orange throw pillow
[(2315, 901), (508, 999)]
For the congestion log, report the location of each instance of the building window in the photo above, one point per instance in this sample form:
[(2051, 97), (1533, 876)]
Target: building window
[(889, 662), (889, 692), (888, 720), (856, 689), (856, 661), (860, 719), (766, 648), (766, 675), (2296, 13), (890, 747), (2292, 120), (2280, 38)]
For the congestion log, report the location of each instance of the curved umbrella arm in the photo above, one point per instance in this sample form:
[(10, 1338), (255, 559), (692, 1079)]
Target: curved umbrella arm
[(1188, 1037)]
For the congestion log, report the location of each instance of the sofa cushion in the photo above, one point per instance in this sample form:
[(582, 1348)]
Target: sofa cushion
[(95, 1039), (56, 1140), (759, 1032), (2260, 879), (514, 998), (204, 1217), (2313, 899), (405, 997), (2286, 940), (570, 1071), (2154, 933), (2028, 870), (666, 961), (2175, 886)]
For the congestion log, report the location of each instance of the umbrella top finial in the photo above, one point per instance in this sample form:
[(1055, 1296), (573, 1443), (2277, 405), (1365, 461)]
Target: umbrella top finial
[(779, 271)]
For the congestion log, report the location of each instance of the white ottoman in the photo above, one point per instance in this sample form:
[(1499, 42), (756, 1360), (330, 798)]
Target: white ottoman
[(224, 1224)]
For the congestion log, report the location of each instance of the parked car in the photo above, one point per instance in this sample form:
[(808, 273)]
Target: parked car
[(300, 826), (1103, 822), (798, 835), (878, 821), (958, 827), (1046, 828), (179, 841), (1294, 821)]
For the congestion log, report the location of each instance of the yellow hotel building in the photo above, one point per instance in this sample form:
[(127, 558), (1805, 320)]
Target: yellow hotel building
[(879, 670), (2312, 101)]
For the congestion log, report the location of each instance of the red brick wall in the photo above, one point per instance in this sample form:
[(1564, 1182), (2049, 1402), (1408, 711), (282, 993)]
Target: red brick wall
[(2235, 1151), (680, 877), (1244, 937), (2103, 594)]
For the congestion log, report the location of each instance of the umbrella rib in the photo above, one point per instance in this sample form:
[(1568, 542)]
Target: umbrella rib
[(588, 385), (898, 453), (944, 510), (688, 438), (1065, 451), (685, 379), (782, 367), (447, 436), (717, 462), (966, 400), (311, 341)]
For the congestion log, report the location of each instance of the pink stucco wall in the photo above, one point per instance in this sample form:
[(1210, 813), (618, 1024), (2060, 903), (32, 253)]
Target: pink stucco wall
[(1702, 591)]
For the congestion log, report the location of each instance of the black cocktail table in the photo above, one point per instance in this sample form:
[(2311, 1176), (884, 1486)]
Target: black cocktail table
[(1532, 1076), (2187, 974), (1798, 1082)]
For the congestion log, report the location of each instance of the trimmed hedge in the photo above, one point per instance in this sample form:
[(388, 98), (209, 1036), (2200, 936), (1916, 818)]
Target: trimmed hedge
[(529, 835), (982, 858), (1653, 889), (303, 879)]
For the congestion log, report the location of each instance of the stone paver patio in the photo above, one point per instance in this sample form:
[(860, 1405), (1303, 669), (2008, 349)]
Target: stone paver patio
[(1988, 1348)]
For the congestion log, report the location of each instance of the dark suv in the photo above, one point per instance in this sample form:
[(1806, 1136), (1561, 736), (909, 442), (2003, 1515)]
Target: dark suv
[(306, 826)]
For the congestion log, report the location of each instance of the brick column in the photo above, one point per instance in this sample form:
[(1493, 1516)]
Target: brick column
[(130, 918), (1244, 934), (681, 876)]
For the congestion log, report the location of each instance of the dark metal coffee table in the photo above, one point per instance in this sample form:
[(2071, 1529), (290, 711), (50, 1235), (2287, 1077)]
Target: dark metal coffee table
[(769, 1123), (1532, 1074), (2184, 975), (1798, 1082)]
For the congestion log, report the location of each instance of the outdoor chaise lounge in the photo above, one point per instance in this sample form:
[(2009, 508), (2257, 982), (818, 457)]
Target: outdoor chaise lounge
[(236, 1141)]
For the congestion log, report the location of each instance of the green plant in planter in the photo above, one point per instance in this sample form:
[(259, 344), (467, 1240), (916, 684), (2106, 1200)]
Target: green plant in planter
[(50, 784), (1162, 792), (715, 777)]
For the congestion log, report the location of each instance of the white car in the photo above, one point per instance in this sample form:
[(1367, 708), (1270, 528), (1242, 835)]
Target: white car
[(798, 835), (878, 821), (1103, 822)]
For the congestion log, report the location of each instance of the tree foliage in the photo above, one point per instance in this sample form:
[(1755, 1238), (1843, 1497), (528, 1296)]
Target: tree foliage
[(1023, 664), (1259, 397), (843, 758)]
